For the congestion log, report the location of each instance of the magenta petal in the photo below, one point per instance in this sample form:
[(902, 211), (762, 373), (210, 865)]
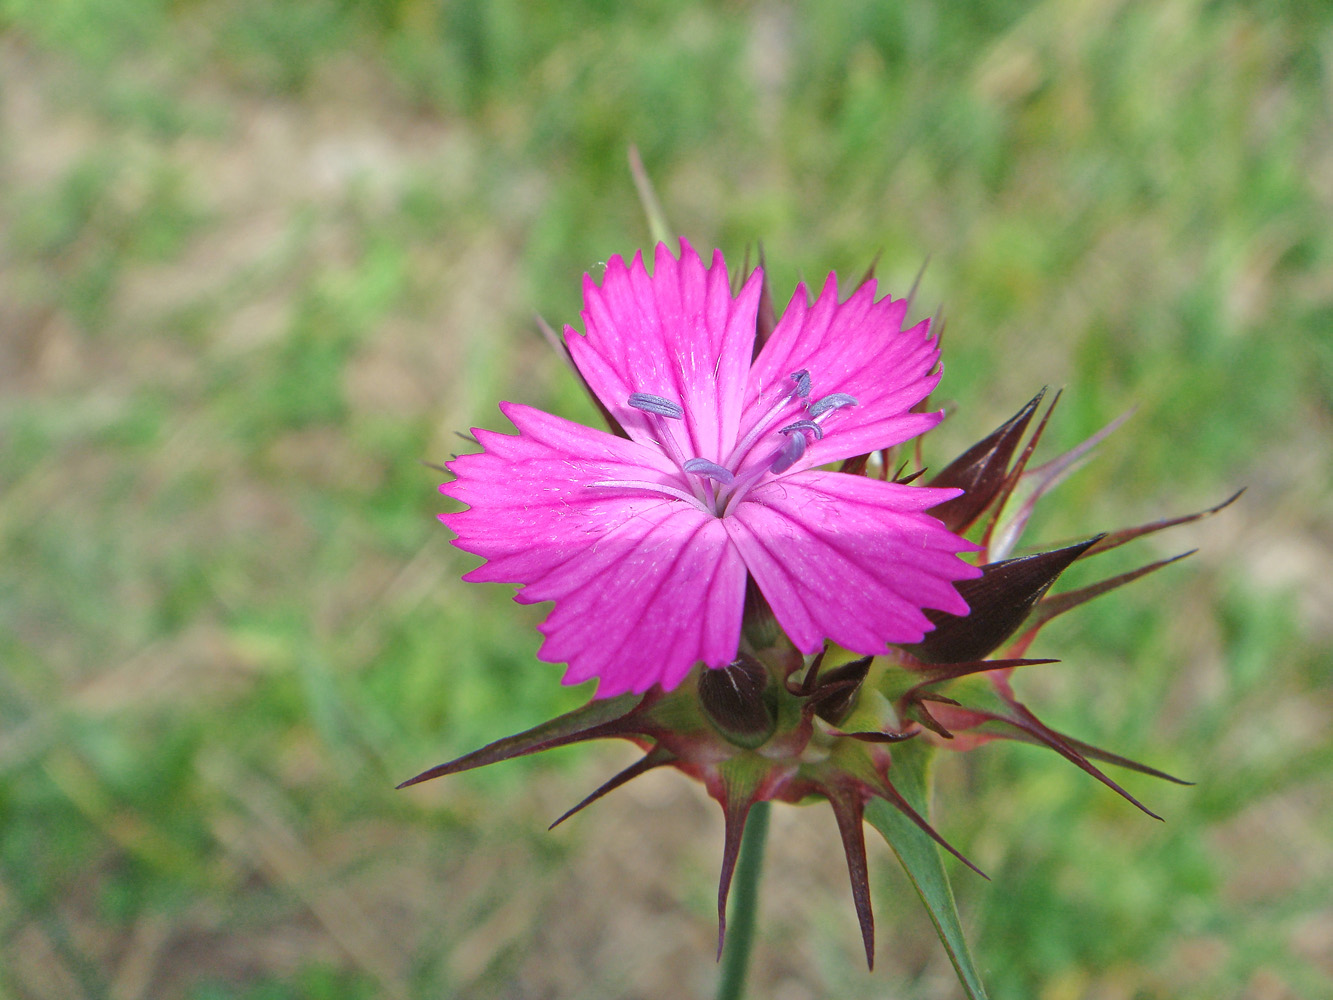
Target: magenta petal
[(530, 495), (856, 347), (850, 559), (644, 585), (653, 598), (678, 334)]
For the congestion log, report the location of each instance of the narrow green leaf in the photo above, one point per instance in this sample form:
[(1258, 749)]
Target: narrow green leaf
[(920, 857)]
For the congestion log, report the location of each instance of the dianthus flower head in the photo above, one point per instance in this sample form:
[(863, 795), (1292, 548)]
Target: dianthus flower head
[(873, 643), (645, 542)]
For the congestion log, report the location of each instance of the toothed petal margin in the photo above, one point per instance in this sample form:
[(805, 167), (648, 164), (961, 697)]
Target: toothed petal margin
[(531, 495), (857, 347), (678, 334)]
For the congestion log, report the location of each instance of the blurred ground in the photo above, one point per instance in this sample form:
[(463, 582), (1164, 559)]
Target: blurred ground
[(257, 260)]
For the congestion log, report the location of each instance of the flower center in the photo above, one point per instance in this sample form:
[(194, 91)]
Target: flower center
[(717, 488)]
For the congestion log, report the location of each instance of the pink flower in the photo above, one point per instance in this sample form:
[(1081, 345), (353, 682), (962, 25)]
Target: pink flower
[(644, 543)]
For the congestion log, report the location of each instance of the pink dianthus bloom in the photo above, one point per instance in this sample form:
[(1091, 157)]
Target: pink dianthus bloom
[(644, 542)]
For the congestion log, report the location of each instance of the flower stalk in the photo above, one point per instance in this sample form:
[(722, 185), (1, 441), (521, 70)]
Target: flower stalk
[(739, 944)]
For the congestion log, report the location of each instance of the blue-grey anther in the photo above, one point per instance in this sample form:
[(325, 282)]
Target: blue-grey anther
[(802, 380), (833, 401), (649, 403), (791, 454), (703, 467), (804, 425)]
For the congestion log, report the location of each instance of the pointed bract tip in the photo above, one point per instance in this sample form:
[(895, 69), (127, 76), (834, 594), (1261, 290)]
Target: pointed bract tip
[(1117, 538), (735, 813), (916, 282), (848, 809), (886, 791), (982, 471), (999, 601), (1053, 605), (1025, 721), (654, 758), (597, 719), (766, 319), (869, 274)]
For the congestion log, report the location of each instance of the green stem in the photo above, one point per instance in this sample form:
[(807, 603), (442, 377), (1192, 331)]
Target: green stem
[(744, 905)]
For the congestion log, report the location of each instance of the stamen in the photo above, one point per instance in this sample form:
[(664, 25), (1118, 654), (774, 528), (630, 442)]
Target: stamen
[(802, 380), (665, 490), (805, 425), (660, 405), (763, 424), (791, 454), (711, 470), (833, 401)]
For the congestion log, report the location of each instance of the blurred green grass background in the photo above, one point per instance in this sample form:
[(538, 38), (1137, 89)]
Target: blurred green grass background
[(258, 260)]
